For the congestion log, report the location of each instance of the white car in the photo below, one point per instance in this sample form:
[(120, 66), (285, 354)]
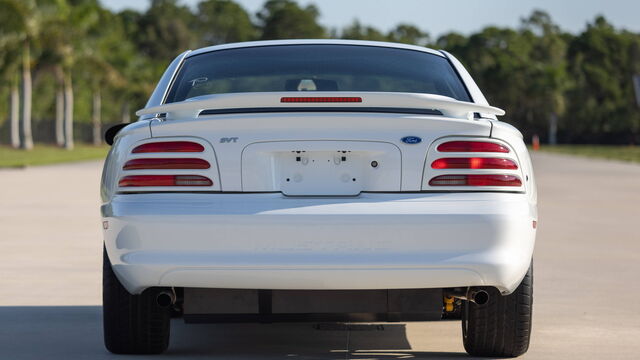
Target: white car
[(318, 180)]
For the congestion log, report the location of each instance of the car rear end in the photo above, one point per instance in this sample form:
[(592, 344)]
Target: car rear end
[(355, 205)]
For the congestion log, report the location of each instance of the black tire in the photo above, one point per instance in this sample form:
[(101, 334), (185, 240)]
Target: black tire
[(133, 324), (502, 326)]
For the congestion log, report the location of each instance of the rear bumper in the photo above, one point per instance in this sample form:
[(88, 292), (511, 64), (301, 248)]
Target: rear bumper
[(270, 241)]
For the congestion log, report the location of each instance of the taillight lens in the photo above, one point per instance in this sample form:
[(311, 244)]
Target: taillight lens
[(165, 180), (168, 146), (476, 180), (474, 163), (472, 146), (166, 163)]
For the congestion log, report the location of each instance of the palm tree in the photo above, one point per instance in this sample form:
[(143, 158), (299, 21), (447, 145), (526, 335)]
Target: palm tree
[(24, 18), (59, 125), (26, 22), (27, 138), (14, 105), (95, 61), (50, 61), (68, 112), (76, 21), (101, 75), (58, 55), (9, 65)]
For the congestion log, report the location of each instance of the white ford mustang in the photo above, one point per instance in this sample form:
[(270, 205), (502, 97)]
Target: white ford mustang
[(318, 180)]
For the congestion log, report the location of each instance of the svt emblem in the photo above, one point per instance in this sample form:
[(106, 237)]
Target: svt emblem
[(226, 140)]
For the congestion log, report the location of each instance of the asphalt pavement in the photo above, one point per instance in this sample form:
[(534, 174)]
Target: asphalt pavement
[(586, 290)]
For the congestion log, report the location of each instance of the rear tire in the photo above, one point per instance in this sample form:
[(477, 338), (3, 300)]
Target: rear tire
[(133, 324), (502, 326)]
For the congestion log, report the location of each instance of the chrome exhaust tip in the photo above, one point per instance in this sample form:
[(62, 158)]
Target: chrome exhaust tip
[(165, 298), (480, 297), (476, 296)]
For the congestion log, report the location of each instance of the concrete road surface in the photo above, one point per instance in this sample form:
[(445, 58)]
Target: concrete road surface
[(587, 270)]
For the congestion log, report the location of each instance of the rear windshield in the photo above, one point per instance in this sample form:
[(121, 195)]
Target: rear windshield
[(316, 68)]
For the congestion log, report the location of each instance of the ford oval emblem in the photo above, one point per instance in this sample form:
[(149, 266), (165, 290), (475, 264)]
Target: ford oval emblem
[(411, 140)]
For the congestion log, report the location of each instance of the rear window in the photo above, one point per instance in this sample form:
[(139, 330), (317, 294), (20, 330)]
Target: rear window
[(316, 68)]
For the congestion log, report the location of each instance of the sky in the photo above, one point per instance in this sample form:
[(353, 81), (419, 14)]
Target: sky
[(439, 17)]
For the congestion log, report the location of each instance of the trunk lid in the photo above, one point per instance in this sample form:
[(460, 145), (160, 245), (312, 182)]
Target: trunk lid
[(319, 153)]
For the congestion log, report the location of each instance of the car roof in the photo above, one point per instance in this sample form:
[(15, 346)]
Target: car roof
[(312, 42)]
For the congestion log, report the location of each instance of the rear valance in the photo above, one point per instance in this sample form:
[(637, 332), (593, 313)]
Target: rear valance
[(447, 106)]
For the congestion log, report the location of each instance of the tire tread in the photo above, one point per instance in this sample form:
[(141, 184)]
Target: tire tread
[(502, 327), (133, 324)]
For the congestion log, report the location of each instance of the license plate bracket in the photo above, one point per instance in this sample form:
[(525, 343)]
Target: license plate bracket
[(338, 172)]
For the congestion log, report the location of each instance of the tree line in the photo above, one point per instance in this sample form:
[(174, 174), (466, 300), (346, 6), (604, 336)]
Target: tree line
[(68, 68)]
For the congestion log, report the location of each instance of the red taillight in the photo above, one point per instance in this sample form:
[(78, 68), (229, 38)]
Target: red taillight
[(472, 146), (474, 163), (168, 146), (166, 163), (323, 99), (165, 180), (476, 180)]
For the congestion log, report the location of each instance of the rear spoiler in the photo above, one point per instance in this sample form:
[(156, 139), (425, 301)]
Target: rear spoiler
[(191, 108)]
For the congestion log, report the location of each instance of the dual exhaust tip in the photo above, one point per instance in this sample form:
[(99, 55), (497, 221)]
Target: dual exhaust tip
[(166, 298)]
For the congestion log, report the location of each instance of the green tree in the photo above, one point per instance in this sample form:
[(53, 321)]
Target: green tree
[(67, 45), (139, 70), (223, 21), (523, 70), (549, 80), (284, 19), (163, 31), (25, 19), (602, 104), (51, 60), (154, 44), (9, 68), (409, 34), (357, 31), (452, 41), (97, 65), (499, 61), (535, 71)]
